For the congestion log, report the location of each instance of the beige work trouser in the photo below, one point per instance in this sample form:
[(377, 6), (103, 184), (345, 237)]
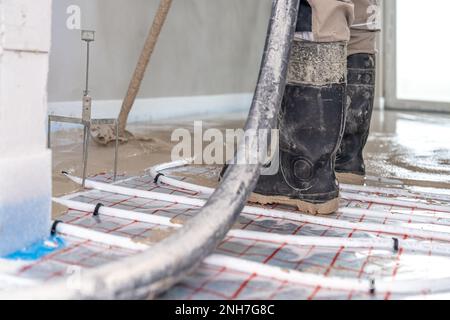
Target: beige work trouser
[(354, 21)]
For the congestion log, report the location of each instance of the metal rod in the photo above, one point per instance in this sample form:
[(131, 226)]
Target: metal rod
[(86, 91), (73, 120), (87, 126), (85, 151), (116, 151)]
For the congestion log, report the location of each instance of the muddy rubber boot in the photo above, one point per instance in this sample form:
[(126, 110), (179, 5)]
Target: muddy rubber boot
[(350, 167), (311, 124)]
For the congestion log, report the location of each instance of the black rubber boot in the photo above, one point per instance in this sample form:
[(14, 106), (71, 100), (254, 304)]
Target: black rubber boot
[(311, 123), (350, 165)]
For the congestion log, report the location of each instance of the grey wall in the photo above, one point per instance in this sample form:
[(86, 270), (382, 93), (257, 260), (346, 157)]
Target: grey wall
[(207, 47)]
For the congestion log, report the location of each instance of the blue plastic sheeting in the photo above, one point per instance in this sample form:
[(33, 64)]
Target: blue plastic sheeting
[(38, 250)]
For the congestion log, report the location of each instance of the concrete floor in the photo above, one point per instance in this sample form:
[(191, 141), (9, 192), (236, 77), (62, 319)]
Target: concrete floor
[(413, 147)]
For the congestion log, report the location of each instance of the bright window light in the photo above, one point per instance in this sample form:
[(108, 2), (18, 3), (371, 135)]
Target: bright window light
[(423, 50)]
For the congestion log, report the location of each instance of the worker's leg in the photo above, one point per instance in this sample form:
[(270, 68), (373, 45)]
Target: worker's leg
[(313, 111), (325, 20), (360, 91)]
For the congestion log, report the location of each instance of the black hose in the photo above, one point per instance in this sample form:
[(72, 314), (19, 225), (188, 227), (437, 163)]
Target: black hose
[(156, 270)]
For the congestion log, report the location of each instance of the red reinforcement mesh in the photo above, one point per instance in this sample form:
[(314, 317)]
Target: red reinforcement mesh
[(221, 283)]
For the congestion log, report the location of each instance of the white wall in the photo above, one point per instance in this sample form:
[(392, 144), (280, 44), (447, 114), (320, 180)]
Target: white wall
[(207, 48), (25, 162)]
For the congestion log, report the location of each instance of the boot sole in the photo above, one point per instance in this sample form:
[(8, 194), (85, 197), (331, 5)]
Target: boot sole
[(351, 178), (326, 208)]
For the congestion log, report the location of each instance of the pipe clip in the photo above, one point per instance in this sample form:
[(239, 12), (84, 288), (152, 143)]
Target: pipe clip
[(97, 209), (373, 288), (157, 177), (53, 230), (396, 244)]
